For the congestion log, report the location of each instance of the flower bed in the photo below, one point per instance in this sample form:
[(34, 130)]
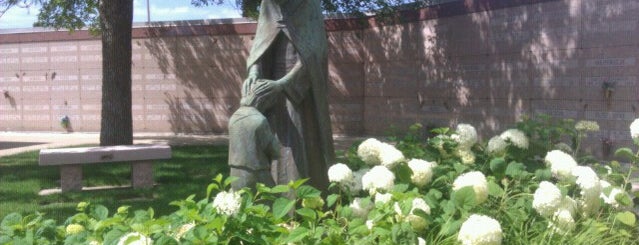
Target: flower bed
[(522, 186)]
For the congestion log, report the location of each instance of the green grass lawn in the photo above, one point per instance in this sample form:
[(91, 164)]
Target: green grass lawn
[(188, 172)]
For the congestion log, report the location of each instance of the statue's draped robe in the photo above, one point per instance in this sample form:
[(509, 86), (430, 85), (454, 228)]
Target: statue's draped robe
[(287, 33)]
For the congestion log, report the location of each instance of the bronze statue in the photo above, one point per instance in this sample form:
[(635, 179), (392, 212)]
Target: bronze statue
[(252, 144), (290, 49)]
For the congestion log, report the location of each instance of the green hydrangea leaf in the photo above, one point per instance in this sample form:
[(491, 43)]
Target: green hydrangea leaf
[(464, 198), (498, 165), (230, 180), (279, 189), (10, 222), (515, 169), (625, 152), (112, 237), (297, 235), (543, 174), (400, 188), (494, 189), (627, 218), (439, 130), (307, 192), (450, 227), (403, 173), (306, 213), (296, 184), (100, 212), (331, 199), (281, 206)]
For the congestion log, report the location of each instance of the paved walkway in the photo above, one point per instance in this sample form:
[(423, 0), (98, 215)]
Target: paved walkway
[(18, 142)]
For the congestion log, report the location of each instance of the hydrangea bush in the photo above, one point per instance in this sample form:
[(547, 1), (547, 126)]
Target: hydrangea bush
[(526, 185)]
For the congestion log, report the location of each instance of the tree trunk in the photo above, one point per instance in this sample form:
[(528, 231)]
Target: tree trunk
[(116, 17)]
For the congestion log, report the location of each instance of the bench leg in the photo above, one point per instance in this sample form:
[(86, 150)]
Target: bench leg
[(142, 175), (71, 178)]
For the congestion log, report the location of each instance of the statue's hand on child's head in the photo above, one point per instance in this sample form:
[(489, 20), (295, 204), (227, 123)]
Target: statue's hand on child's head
[(263, 94), (265, 88)]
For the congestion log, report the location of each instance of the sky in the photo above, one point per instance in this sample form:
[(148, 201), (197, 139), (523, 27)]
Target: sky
[(161, 10)]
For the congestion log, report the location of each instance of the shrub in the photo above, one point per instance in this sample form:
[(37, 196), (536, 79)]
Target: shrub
[(522, 186)]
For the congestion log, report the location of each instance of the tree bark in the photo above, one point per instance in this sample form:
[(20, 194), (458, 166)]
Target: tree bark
[(116, 17)]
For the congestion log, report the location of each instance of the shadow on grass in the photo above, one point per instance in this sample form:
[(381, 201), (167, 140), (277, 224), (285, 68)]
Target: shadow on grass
[(188, 172)]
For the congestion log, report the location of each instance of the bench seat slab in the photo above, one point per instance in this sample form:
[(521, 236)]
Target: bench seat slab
[(86, 155)]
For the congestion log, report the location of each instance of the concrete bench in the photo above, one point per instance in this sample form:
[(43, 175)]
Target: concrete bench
[(71, 160)]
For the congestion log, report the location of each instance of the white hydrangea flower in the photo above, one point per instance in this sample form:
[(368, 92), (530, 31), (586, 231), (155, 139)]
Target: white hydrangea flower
[(466, 155), (421, 241), (587, 126), (368, 151), (183, 230), (383, 198), (417, 203), (466, 135), (227, 203), (378, 178), (422, 171), (562, 221), (590, 187), (480, 230), (547, 198), (496, 145), (420, 204), (135, 238), (569, 205), (634, 129), (516, 137), (475, 179), (356, 184), (340, 173), (73, 229), (389, 156), (417, 222), (560, 163), (611, 198), (587, 179), (608, 169), (370, 224), (360, 207)]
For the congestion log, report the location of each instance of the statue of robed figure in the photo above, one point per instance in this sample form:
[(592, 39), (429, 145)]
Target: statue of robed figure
[(290, 49)]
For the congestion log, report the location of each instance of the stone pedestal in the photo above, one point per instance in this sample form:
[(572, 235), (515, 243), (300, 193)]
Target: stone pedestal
[(71, 177), (142, 175)]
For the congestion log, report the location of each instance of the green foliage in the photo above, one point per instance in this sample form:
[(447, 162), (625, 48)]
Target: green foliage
[(69, 14), (300, 214)]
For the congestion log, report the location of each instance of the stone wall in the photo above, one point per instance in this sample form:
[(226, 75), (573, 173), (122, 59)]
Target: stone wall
[(484, 62)]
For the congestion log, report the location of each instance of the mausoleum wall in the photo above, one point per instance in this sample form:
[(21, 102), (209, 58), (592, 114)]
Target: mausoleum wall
[(484, 62)]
